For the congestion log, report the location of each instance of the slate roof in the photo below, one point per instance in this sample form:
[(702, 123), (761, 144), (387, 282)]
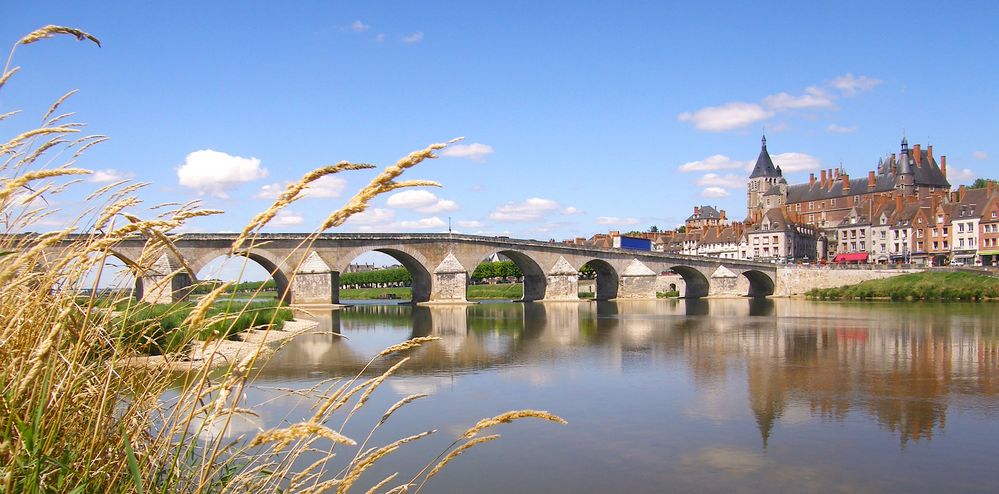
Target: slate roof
[(764, 165), (927, 174), (705, 213)]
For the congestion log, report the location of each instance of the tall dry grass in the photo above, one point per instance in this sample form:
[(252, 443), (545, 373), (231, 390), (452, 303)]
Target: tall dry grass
[(76, 417)]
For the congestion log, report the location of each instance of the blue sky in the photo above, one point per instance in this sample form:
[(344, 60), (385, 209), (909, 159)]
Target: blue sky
[(579, 117)]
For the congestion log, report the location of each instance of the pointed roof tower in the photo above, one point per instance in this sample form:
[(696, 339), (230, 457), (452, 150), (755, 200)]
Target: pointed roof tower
[(904, 162), (764, 165)]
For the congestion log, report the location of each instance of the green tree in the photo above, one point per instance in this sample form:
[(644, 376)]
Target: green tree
[(981, 183)]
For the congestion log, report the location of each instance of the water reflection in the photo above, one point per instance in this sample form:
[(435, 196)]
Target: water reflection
[(754, 384), (900, 367)]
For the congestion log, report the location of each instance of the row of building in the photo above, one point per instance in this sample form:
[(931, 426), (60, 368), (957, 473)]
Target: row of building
[(903, 212)]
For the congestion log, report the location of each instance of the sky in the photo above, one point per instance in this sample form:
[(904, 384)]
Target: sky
[(577, 117)]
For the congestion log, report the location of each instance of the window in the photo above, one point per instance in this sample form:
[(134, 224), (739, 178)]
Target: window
[(862, 247), (832, 202), (960, 227)]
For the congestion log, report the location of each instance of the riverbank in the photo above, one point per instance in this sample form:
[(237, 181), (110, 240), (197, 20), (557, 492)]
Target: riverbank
[(223, 352), (929, 285)]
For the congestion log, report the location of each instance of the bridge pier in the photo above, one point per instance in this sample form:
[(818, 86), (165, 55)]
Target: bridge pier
[(314, 283), (450, 279), (561, 283), (724, 282), (637, 281), (164, 282)]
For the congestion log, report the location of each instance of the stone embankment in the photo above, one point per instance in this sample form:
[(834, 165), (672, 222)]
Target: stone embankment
[(791, 281)]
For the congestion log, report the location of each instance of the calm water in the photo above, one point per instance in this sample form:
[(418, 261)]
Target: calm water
[(675, 396)]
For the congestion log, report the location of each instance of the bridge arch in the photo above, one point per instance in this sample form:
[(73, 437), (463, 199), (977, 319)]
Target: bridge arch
[(695, 281), (535, 281), (411, 259), (760, 284), (608, 280), (269, 261)]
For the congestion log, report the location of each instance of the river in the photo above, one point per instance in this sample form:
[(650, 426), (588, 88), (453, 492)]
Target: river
[(728, 395)]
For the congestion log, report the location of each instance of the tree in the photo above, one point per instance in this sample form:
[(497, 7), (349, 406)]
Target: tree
[(653, 229), (981, 183), (681, 229)]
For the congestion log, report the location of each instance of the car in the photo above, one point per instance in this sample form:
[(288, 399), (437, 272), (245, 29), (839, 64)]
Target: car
[(957, 263)]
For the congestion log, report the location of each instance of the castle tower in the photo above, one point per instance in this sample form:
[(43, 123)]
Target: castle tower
[(764, 177)]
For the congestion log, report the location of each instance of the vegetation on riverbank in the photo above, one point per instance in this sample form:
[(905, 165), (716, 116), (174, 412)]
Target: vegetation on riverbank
[(74, 417), (929, 285), (161, 329)]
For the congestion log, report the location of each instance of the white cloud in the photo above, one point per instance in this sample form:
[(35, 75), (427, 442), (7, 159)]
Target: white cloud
[(475, 151), (796, 162), (614, 220), (421, 200), (110, 175), (714, 192), (532, 209), (323, 188), (374, 216), (980, 155), (287, 218), (850, 85), (269, 191), (729, 181), (214, 172), (813, 98), (424, 224), (469, 224), (571, 210), (358, 27), (413, 38), (714, 162), (841, 129), (726, 117), (961, 174), (380, 37)]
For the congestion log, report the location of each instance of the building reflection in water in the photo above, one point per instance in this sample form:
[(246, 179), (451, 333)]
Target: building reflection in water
[(899, 364)]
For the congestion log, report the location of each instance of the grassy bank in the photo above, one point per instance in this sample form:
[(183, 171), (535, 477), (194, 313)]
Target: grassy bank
[(160, 329), (917, 286)]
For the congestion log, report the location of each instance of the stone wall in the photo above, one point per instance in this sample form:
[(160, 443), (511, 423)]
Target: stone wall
[(794, 280)]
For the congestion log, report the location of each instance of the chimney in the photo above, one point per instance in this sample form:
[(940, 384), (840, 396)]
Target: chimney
[(917, 156), (697, 210), (846, 182), (870, 181), (722, 214), (929, 153), (898, 203), (960, 194), (615, 233), (823, 182), (811, 180), (988, 188), (836, 171), (943, 165), (832, 181), (894, 165)]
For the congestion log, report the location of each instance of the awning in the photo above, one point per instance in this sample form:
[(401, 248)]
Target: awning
[(852, 257), (988, 252)]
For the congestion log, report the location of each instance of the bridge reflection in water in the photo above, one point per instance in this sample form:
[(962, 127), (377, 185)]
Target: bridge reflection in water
[(900, 366)]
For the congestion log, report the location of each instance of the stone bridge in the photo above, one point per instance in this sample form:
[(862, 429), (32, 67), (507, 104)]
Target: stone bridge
[(441, 265)]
